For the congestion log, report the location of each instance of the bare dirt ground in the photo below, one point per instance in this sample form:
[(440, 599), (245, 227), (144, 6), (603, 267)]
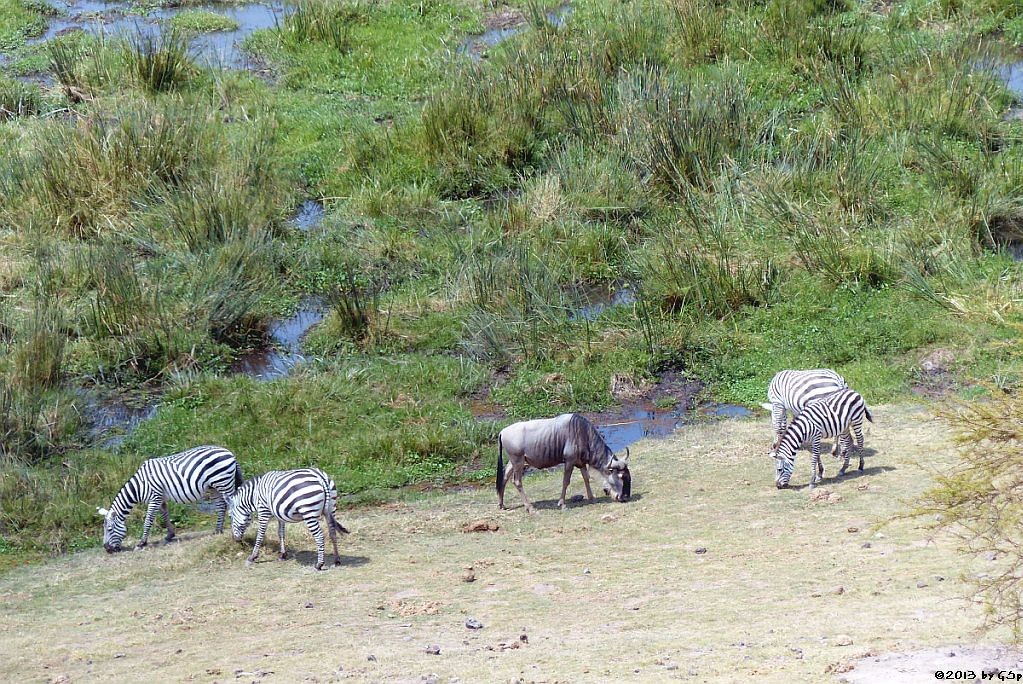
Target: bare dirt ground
[(709, 574)]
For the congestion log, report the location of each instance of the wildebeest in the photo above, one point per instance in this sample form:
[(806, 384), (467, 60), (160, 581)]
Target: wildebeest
[(567, 439)]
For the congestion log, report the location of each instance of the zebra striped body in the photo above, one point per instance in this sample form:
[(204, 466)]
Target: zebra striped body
[(289, 496), (794, 390), (186, 477), (834, 416)]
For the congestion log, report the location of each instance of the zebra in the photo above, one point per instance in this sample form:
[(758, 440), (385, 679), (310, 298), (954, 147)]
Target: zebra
[(836, 416), (290, 496), (793, 390), (184, 477)]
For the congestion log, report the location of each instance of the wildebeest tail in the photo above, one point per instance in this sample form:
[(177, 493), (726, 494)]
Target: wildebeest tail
[(500, 464), (866, 412), (238, 479)]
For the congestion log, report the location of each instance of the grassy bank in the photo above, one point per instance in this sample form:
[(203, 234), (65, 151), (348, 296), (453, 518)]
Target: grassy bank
[(780, 184)]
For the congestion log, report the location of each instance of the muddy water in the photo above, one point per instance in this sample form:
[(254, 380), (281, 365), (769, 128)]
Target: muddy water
[(286, 337), (114, 417), (645, 421), (309, 216), (595, 301), (476, 45), (219, 48)]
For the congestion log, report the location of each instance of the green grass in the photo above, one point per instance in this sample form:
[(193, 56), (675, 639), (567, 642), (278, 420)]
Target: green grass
[(202, 21), (783, 184)]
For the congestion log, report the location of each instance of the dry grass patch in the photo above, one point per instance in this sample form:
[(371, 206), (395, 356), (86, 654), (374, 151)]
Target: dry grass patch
[(597, 592)]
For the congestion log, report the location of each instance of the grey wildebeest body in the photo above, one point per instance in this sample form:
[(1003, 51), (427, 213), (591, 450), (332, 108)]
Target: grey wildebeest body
[(569, 440)]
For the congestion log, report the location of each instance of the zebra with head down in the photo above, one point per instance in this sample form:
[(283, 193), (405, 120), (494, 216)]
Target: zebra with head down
[(186, 477), (301, 495)]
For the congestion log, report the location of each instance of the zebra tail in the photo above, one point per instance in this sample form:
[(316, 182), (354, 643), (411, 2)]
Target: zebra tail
[(866, 412), (500, 464)]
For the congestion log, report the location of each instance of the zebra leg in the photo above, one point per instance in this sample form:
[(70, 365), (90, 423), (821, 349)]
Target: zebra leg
[(777, 422), (517, 481), (317, 530), (333, 538), (165, 514), (857, 430), (221, 512), (264, 522), (816, 468), (846, 443), (586, 481), (151, 509), (565, 480), (280, 535)]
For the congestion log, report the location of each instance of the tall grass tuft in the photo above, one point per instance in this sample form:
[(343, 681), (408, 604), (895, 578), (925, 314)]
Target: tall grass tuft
[(318, 21), (159, 61), (18, 99)]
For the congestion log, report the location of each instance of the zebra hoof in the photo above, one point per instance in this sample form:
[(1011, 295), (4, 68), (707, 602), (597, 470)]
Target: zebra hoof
[(140, 546), (248, 562), (319, 566), (283, 556)]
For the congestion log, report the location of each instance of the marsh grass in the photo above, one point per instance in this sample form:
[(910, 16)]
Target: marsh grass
[(316, 21), (160, 62)]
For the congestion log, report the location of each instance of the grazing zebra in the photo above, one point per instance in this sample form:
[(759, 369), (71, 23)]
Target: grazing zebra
[(185, 478), (834, 416), (793, 390), (289, 496)]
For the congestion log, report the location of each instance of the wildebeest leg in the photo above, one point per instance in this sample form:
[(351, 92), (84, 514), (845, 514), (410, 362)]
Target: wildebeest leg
[(564, 484), (517, 481), (165, 514), (280, 535), (314, 526), (263, 523), (507, 474), (586, 481)]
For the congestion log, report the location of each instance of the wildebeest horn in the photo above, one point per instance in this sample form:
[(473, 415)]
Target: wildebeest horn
[(626, 459), (102, 511)]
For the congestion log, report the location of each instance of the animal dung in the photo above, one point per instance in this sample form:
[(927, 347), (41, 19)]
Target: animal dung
[(481, 526), (473, 623)]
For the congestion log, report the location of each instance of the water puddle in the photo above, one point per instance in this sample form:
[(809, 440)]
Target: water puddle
[(286, 336), (114, 417), (309, 216), (476, 45), (217, 48), (594, 301), (641, 422)]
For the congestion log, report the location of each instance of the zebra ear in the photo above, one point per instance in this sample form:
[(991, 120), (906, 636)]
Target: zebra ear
[(102, 511)]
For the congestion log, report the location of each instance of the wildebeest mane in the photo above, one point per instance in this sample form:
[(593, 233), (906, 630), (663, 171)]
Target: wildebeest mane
[(584, 434)]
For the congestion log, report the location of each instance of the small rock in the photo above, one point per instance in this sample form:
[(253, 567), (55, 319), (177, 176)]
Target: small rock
[(524, 638), (309, 604), (586, 571), (838, 591), (852, 529), (990, 556), (481, 526), (433, 650), (879, 535), (430, 679), (939, 578), (921, 585), (607, 517), (843, 640), (672, 666), (798, 652), (865, 545), (473, 623), (371, 658), (469, 576), (118, 655), (701, 549), (862, 487), (951, 654)]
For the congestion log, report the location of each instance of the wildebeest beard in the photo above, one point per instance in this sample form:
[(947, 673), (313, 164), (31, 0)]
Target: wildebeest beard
[(626, 484)]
